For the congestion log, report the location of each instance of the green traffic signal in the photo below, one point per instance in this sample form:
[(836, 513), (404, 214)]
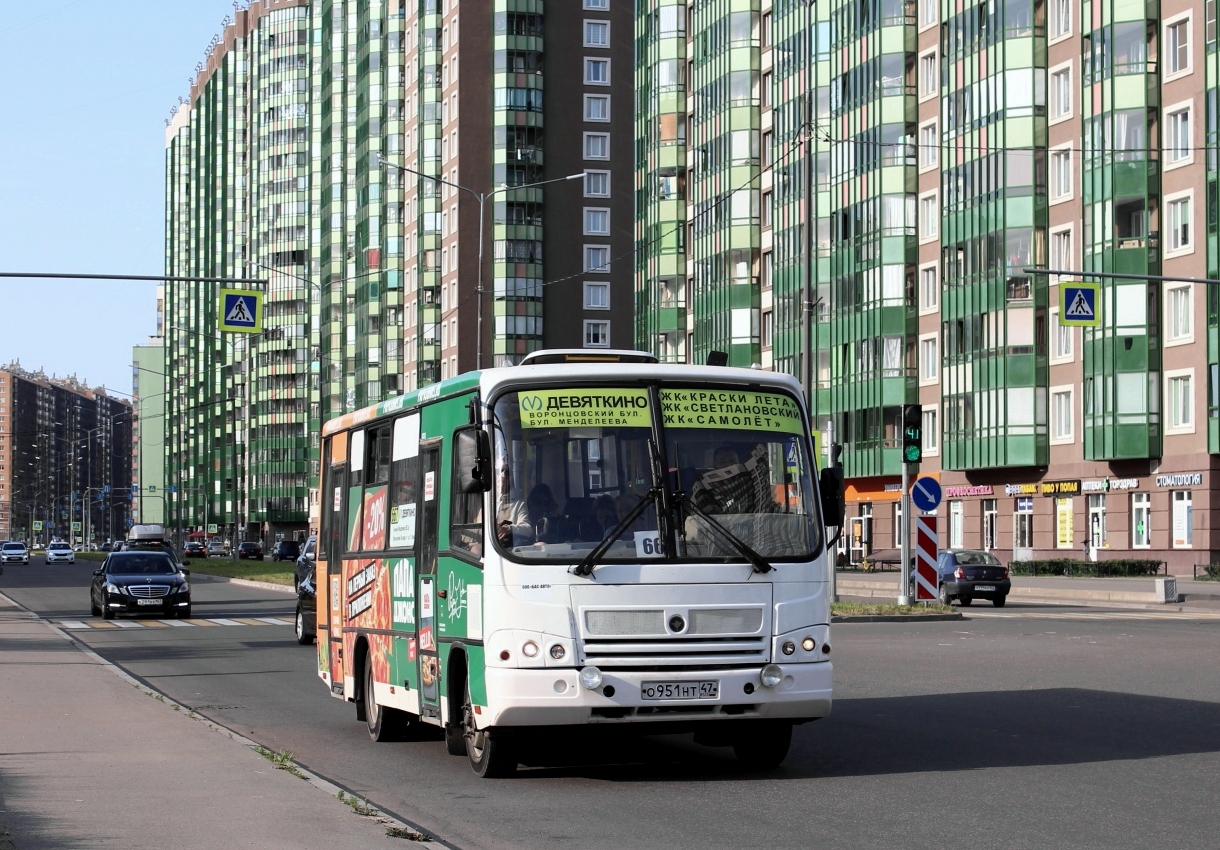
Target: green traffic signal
[(913, 454), (912, 433)]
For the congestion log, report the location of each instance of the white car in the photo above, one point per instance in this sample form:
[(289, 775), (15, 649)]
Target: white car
[(60, 553), (14, 552)]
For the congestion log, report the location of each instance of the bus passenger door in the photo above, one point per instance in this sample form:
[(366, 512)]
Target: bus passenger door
[(335, 547), (429, 661)]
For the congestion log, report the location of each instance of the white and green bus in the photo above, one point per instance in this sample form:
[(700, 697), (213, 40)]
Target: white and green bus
[(579, 540)]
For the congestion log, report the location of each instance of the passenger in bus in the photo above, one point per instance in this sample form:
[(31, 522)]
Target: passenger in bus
[(602, 521), (623, 505), (542, 510)]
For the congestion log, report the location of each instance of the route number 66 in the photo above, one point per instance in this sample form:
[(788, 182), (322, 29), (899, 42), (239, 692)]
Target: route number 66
[(648, 544)]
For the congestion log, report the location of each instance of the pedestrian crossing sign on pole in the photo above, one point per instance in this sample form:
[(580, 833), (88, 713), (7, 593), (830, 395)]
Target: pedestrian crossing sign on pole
[(1079, 304), (241, 311)]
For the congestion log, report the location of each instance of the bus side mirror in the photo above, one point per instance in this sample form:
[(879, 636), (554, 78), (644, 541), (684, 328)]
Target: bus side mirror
[(472, 450), (830, 483)]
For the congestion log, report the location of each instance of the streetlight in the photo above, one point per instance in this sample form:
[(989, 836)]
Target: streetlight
[(481, 197)]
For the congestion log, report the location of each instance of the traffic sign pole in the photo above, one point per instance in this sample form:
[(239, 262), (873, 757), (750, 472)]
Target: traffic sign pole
[(905, 551), (926, 580)]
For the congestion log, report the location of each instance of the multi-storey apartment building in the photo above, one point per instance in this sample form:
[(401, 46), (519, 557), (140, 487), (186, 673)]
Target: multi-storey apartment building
[(242, 412), (148, 427), (938, 150), (65, 459), (423, 108)]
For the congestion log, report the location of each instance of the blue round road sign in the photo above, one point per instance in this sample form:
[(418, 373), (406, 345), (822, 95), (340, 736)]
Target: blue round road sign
[(926, 493)]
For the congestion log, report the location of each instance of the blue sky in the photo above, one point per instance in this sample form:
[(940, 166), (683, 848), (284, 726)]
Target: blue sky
[(85, 88)]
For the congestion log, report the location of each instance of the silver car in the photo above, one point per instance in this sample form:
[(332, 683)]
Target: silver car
[(14, 552), (60, 553)]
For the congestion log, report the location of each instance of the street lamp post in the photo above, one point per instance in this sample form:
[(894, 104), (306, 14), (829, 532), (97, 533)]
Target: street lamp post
[(481, 197)]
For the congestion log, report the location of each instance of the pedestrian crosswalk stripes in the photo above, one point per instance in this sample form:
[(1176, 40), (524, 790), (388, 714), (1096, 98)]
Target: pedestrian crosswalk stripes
[(161, 624), (1096, 615)]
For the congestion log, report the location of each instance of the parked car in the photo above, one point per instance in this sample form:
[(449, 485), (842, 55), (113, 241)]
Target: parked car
[(193, 547), (105, 547), (285, 550), (140, 582), (217, 547), (306, 560), (60, 553), (969, 574), (250, 549), (307, 610), (14, 552)]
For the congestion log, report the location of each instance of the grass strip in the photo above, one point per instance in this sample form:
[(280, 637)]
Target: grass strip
[(270, 571), (877, 609)]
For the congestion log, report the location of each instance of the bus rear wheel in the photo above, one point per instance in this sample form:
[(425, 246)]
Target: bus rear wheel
[(763, 745), (491, 752), (384, 724)]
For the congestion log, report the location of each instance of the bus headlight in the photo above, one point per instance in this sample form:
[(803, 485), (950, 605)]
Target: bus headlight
[(529, 649), (591, 678), (771, 675)]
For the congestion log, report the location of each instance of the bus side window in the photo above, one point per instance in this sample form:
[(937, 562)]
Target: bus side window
[(466, 516)]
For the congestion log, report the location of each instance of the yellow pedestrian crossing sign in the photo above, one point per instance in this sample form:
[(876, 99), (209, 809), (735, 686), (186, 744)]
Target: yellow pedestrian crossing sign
[(1079, 304), (241, 311)]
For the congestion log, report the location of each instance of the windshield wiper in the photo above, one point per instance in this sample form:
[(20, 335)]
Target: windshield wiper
[(586, 566), (759, 563)]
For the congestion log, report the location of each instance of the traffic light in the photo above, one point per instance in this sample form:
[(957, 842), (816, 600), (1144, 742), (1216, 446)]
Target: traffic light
[(912, 433)]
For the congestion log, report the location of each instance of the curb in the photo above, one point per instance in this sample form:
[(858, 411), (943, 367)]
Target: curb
[(244, 582), (379, 815), (896, 618)]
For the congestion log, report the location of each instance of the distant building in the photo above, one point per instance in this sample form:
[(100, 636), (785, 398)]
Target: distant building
[(65, 459), (148, 430)]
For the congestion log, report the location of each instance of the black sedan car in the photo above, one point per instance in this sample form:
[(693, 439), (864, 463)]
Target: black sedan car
[(140, 583), (251, 549), (306, 561), (285, 550), (307, 610), (193, 547), (969, 574)]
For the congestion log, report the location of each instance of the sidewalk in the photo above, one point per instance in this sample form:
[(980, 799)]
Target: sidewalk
[(1059, 590), (88, 759)]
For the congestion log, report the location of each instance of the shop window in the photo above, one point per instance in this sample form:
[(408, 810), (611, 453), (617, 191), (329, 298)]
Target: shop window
[(1183, 519), (1141, 520), (1064, 530)]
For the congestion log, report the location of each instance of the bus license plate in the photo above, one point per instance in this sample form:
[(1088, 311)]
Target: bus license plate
[(149, 601), (984, 587), (680, 690)]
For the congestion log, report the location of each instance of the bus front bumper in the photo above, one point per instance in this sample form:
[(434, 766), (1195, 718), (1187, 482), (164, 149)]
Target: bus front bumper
[(555, 697)]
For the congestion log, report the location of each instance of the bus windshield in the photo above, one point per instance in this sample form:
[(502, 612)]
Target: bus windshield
[(573, 464)]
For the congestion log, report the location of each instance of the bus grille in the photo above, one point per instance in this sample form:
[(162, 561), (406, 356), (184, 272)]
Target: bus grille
[(678, 652)]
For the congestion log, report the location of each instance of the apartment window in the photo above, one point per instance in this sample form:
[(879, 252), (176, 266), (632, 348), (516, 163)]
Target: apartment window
[(597, 221), (597, 107), (1178, 129), (928, 71), (768, 328), (929, 288), (597, 184), (1178, 313), (597, 72), (957, 517), (1183, 518), (597, 296), (1177, 46), (597, 145), (1141, 520), (1061, 174), (929, 217), (927, 11), (1061, 93), (1023, 523), (597, 33), (1061, 17), (1061, 415), (1181, 401), (929, 146), (929, 360), (1061, 251), (1061, 339), (931, 433), (1179, 224), (597, 258), (597, 334), (597, 4)]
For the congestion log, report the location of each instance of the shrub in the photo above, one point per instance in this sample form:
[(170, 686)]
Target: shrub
[(1087, 569)]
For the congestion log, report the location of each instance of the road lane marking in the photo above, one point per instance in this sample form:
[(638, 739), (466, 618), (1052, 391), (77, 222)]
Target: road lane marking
[(1096, 615), (127, 624), (168, 623), (221, 621), (73, 624)]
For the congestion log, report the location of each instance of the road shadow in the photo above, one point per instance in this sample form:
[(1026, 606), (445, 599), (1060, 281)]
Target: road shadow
[(916, 734), (21, 829)]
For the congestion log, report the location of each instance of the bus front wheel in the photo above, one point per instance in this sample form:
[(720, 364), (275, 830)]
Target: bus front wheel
[(763, 745), (490, 751)]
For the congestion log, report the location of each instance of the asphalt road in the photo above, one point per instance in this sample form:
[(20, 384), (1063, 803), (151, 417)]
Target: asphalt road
[(1013, 731)]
